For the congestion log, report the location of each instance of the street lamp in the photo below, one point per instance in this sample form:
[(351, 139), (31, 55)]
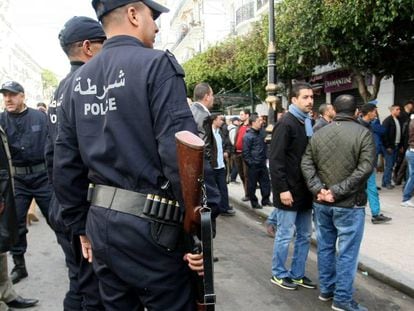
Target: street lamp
[(271, 89)]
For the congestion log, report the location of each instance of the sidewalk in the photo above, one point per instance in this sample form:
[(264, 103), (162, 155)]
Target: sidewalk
[(387, 250)]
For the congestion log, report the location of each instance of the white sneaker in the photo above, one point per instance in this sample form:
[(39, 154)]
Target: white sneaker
[(407, 204)]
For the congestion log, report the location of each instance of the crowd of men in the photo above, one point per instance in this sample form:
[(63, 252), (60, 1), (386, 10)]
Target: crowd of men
[(107, 143)]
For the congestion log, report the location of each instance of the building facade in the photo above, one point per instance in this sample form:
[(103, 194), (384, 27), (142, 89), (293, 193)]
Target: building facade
[(16, 63)]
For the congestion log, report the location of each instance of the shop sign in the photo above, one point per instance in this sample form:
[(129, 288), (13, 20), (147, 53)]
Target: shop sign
[(338, 81)]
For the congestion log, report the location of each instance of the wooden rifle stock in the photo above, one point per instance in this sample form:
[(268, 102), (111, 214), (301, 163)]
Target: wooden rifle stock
[(197, 218), (190, 154)]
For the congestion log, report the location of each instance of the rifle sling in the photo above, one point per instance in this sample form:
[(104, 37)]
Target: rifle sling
[(207, 242)]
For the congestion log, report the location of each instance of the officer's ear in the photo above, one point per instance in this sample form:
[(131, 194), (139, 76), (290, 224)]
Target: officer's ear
[(86, 48), (133, 15)]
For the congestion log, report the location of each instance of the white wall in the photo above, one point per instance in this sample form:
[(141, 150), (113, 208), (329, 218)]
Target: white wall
[(385, 97)]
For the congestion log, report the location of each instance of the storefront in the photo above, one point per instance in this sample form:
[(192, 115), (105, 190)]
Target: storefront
[(328, 86), (404, 88)]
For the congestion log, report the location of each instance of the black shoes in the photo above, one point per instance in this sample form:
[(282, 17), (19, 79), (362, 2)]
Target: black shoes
[(267, 203), (380, 219), (325, 296), (21, 303), (256, 206), (245, 199), (285, 283), (229, 212), (304, 282), (19, 271)]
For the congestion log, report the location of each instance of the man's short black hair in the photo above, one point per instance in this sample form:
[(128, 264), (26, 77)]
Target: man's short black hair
[(300, 86), (410, 101), (201, 90), (345, 104), (367, 108), (253, 117), (323, 108), (214, 116), (246, 111)]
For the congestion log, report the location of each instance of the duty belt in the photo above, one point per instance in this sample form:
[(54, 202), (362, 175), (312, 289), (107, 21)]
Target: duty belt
[(24, 170), (135, 203)]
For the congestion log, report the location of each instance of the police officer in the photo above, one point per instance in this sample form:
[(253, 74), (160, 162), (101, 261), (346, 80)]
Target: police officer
[(26, 130), (116, 129), (81, 38)]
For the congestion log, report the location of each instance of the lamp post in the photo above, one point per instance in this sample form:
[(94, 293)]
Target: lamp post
[(271, 89)]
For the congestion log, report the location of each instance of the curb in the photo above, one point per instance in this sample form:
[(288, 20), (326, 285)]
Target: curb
[(409, 291)]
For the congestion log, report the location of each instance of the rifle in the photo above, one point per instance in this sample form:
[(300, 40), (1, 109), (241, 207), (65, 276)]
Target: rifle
[(197, 219)]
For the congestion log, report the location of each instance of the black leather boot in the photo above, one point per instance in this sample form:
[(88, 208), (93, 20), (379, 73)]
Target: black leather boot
[(19, 271)]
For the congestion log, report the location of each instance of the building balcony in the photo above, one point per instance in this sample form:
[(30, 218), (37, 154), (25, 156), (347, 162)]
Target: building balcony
[(182, 9), (187, 41), (245, 12)]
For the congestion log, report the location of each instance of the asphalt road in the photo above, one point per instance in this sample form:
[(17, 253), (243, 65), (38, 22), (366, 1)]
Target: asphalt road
[(242, 275)]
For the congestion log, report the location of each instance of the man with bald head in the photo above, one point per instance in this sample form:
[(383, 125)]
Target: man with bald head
[(336, 165)]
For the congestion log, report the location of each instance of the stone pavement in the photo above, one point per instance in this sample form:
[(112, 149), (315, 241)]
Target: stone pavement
[(387, 250)]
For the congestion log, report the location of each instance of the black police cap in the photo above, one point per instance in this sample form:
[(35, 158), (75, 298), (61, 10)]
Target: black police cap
[(12, 86), (80, 28), (103, 7)]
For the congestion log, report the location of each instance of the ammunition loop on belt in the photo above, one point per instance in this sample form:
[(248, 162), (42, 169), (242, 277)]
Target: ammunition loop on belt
[(163, 209)]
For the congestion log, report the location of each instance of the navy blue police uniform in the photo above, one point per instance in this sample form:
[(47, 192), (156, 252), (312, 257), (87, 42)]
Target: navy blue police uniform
[(116, 130), (26, 133), (83, 290)]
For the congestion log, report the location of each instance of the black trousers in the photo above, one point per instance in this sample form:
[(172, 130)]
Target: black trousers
[(258, 173), (28, 187), (134, 271), (83, 293), (242, 169)]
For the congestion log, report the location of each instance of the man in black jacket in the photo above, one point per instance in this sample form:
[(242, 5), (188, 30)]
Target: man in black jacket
[(254, 154), (81, 39), (290, 194), (392, 142), (26, 131), (336, 165)]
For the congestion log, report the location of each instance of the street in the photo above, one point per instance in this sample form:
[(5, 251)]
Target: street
[(242, 274), (244, 270)]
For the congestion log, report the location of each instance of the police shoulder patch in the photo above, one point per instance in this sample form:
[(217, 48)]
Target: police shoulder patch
[(174, 63)]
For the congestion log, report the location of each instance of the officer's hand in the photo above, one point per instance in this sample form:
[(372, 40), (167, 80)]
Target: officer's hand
[(86, 247), (195, 262)]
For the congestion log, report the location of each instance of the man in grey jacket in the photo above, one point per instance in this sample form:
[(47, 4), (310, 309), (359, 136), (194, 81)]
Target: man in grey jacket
[(203, 102), (336, 165)]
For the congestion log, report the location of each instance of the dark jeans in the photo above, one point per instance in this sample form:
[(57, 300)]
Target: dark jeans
[(389, 166), (28, 187), (339, 235), (220, 178), (258, 173), (134, 271)]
